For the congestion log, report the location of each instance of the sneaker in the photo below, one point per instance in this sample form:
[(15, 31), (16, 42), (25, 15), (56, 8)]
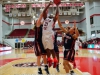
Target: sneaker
[(57, 68), (39, 71), (55, 63), (72, 72), (49, 60), (46, 69)]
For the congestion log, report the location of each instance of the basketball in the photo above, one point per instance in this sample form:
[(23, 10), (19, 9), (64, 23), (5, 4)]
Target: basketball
[(57, 2)]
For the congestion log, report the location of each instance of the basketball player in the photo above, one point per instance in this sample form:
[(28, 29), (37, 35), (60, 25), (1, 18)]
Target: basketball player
[(48, 35), (56, 49), (39, 49), (69, 41), (77, 45)]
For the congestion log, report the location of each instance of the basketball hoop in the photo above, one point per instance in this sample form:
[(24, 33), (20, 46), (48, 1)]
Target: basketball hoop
[(66, 22), (22, 22)]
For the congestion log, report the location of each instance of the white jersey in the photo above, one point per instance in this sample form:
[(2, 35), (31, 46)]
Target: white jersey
[(47, 26), (77, 44)]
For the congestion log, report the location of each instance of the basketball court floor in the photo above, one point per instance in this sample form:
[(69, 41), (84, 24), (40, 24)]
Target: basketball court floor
[(23, 62)]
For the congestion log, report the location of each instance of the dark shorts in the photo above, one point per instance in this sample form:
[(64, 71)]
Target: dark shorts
[(69, 55), (39, 49), (56, 48)]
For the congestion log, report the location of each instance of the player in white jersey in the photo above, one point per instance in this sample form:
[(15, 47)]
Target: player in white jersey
[(48, 36), (77, 45)]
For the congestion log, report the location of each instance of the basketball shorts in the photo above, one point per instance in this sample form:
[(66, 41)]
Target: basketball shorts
[(48, 41), (76, 48), (39, 49), (56, 48), (69, 55)]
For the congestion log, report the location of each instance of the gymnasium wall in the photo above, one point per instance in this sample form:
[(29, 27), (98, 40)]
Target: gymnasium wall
[(94, 9), (62, 18), (82, 24), (18, 26), (70, 18), (1, 24), (6, 28), (96, 18), (13, 41), (95, 13), (16, 22)]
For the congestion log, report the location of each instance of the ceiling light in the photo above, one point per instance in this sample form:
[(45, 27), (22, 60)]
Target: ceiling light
[(78, 0), (19, 4), (68, 3), (34, 17), (67, 0), (36, 0), (28, 0), (20, 1), (8, 1), (31, 0)]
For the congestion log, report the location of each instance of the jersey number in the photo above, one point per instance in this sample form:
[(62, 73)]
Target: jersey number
[(45, 25)]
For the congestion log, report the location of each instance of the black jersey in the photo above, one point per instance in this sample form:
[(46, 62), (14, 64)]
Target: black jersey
[(55, 40), (69, 41), (38, 33)]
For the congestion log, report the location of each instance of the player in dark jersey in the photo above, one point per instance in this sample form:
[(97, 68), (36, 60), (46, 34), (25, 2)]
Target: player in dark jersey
[(39, 49), (56, 50), (69, 42)]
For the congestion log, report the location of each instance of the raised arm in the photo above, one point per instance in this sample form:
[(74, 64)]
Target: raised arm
[(57, 14), (61, 27), (45, 10), (38, 22), (76, 31)]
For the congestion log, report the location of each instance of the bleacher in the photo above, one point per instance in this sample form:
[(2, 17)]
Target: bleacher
[(2, 45), (95, 42), (18, 33), (31, 33)]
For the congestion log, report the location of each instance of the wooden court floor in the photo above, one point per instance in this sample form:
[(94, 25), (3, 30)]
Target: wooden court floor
[(85, 61)]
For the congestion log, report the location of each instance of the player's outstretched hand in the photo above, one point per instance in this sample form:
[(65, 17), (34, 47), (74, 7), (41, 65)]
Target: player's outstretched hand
[(74, 23)]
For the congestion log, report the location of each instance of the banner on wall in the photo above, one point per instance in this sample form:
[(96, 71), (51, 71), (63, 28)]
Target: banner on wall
[(61, 5), (93, 45), (16, 40), (23, 40), (90, 45), (8, 6)]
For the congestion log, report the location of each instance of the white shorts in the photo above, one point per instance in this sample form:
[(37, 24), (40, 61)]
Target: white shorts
[(48, 41), (76, 48)]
